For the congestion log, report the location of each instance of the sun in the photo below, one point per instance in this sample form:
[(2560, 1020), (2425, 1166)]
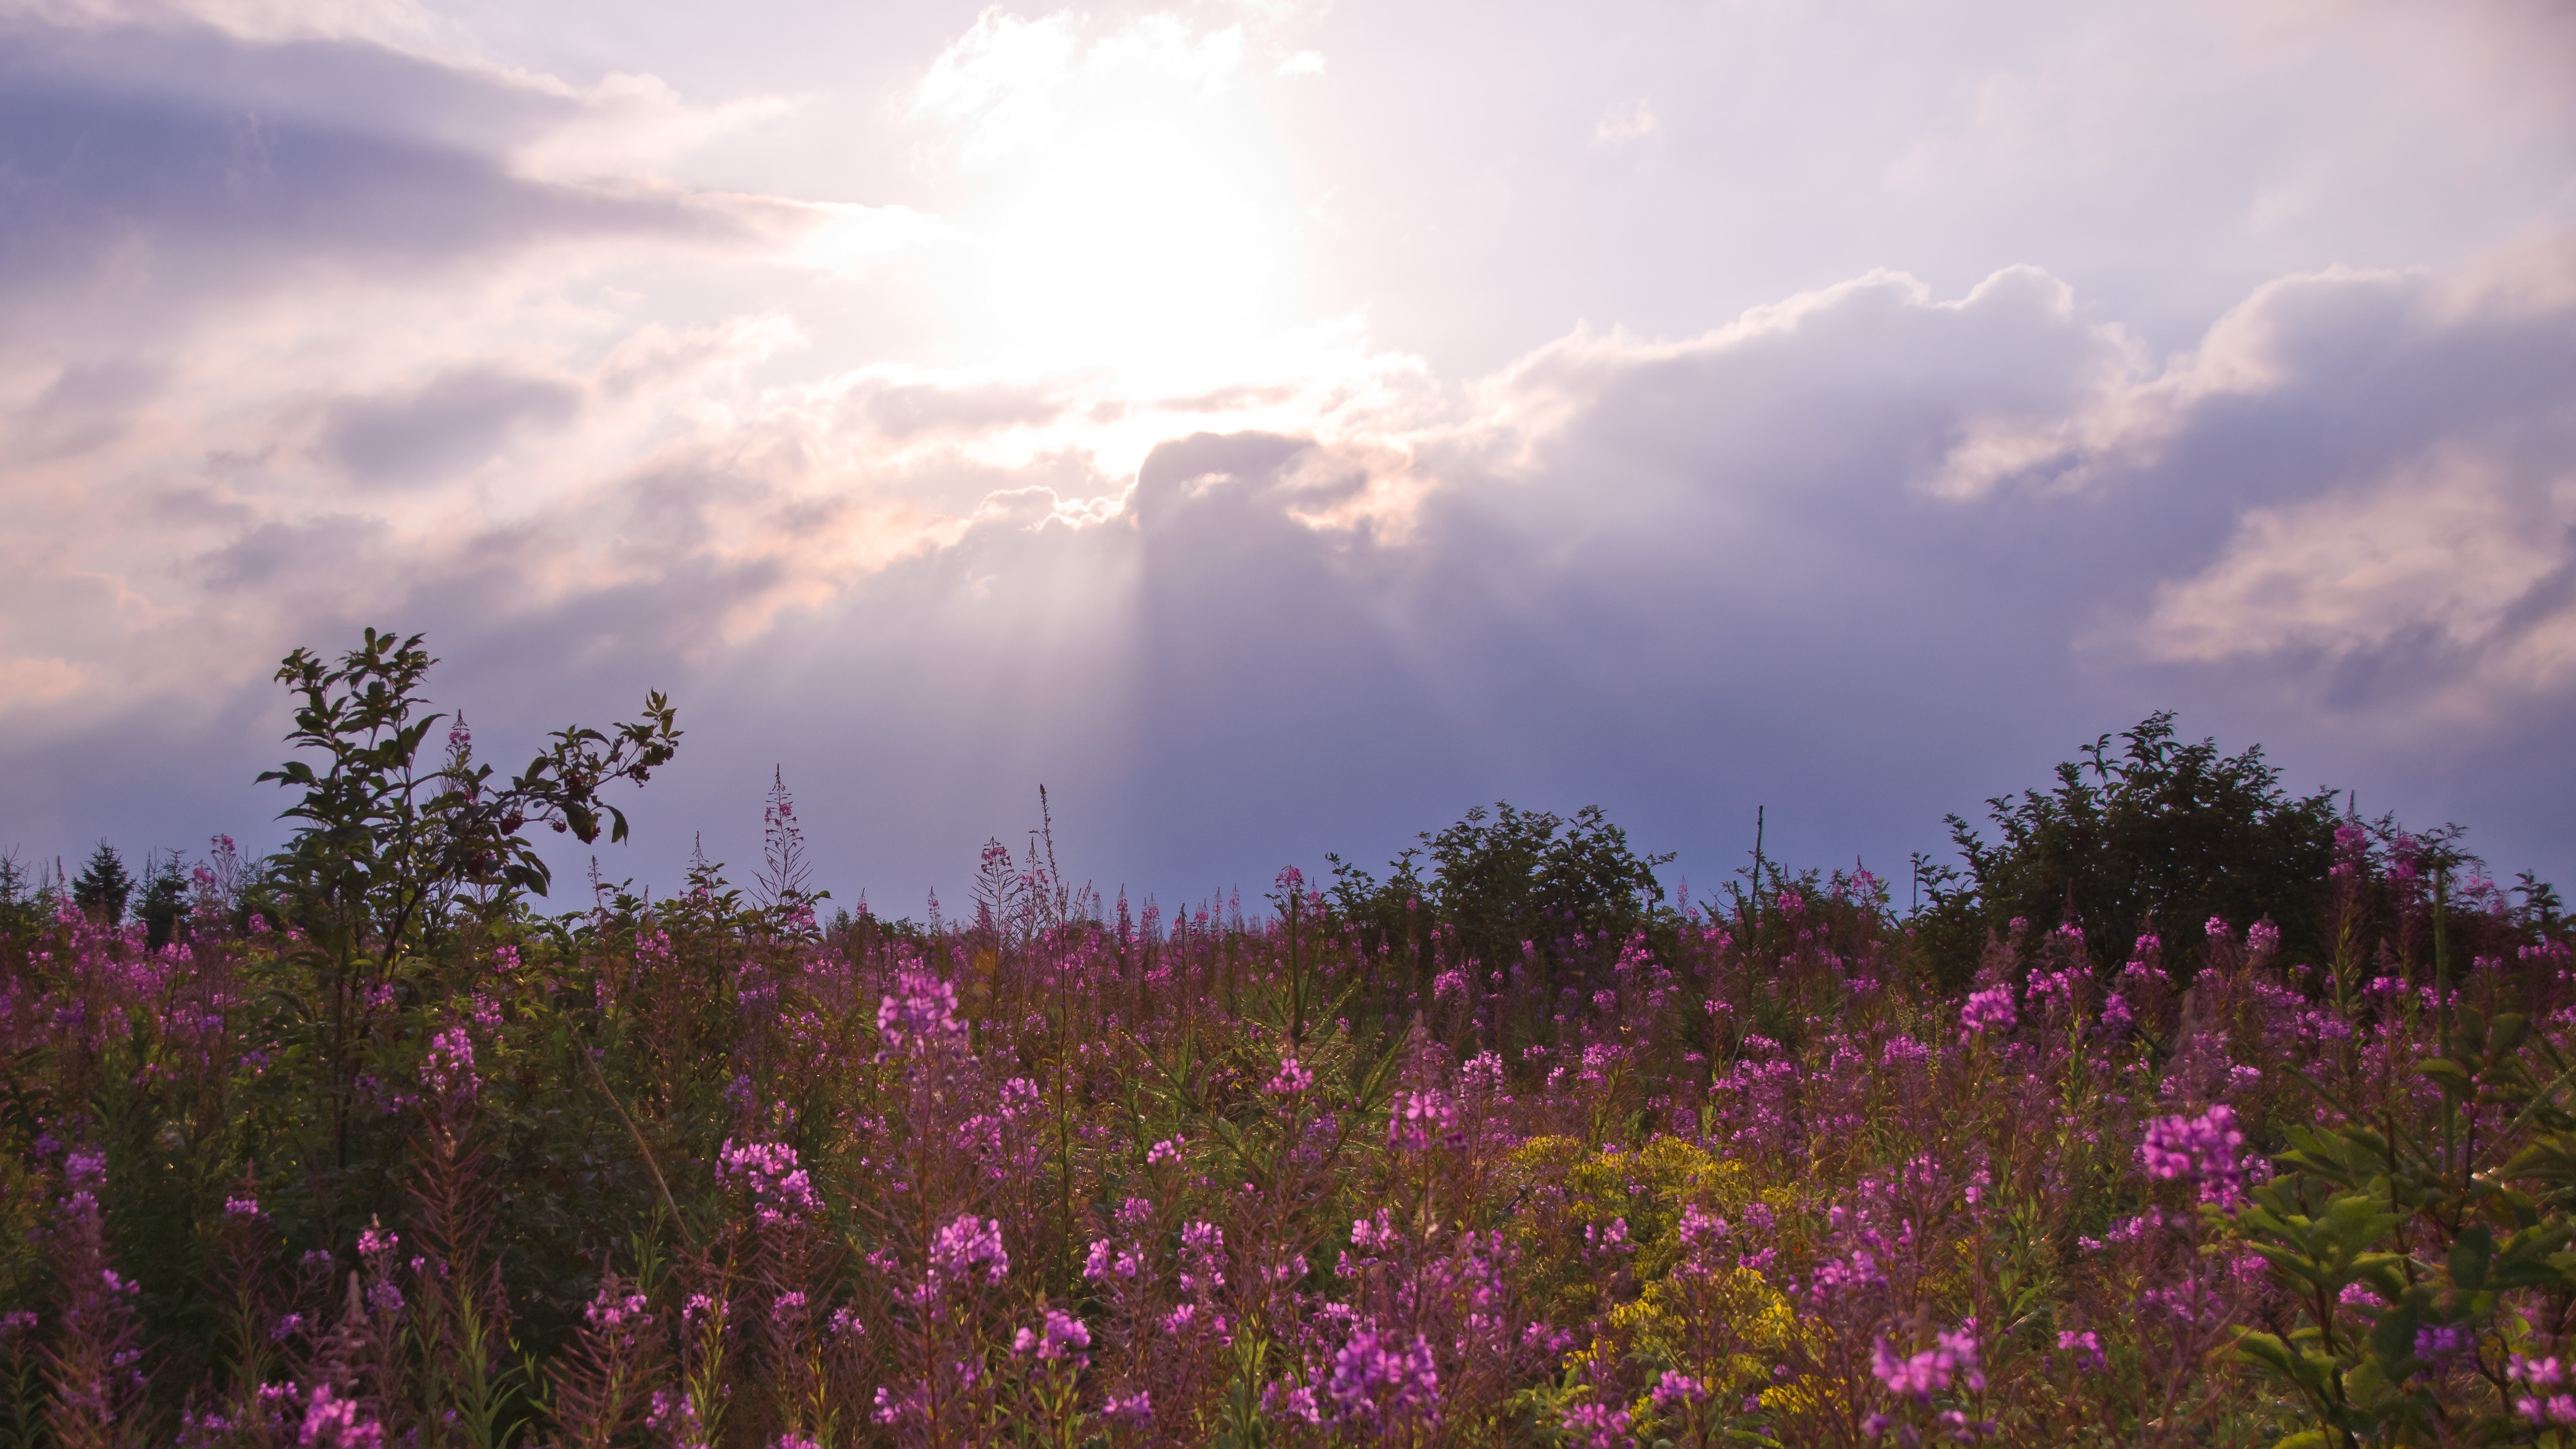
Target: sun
[(1121, 202)]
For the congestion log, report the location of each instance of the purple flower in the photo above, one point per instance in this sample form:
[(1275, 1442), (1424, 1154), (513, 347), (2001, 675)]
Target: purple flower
[(1952, 1357), (1377, 1379), (1595, 1426), (331, 1422), (1292, 1078), (1416, 1120), (610, 1310), (2436, 1342), (957, 1248), (1676, 1390), (781, 1191), (922, 1012), (2207, 1149), (1060, 1337), (1987, 1010), (447, 1071)]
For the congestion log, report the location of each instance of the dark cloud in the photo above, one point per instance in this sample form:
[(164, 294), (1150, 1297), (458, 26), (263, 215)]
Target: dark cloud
[(1692, 580), (278, 555), (448, 425), (85, 407), (142, 168)]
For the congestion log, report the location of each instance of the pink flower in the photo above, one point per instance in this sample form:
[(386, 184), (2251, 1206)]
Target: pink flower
[(447, 1071), (922, 1013), (1952, 1357), (781, 1191), (2207, 1149), (1061, 1337), (957, 1248), (1987, 1010)]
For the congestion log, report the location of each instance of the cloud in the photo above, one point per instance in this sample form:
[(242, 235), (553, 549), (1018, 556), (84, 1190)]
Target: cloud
[(1039, 465), (1626, 125), (451, 424), (148, 173), (2446, 556), (1007, 82)]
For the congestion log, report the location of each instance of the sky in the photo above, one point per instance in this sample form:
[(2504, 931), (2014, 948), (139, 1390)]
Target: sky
[(1277, 426)]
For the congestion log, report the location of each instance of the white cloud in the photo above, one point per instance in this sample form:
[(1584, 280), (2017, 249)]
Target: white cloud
[(1626, 125), (2449, 550), (1009, 82)]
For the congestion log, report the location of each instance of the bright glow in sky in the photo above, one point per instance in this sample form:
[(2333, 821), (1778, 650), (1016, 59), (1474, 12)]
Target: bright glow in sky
[(1278, 426)]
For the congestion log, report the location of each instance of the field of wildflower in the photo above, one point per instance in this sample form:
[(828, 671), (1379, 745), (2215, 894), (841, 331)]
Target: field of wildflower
[(370, 1150)]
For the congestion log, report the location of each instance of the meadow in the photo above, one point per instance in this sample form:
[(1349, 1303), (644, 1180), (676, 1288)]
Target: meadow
[(370, 1143)]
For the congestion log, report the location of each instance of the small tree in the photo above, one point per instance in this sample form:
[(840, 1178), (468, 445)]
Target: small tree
[(17, 897), (165, 899), (387, 841), (2156, 835), (389, 844), (101, 889), (1503, 879)]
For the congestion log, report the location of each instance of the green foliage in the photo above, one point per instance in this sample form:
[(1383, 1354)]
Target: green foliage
[(2454, 1223), (18, 913), (2157, 835), (1500, 881), (165, 899), (101, 889), (388, 842)]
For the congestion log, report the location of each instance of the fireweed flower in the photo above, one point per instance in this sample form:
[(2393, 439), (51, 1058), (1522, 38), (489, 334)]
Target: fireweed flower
[(921, 1013), (957, 1248), (1167, 1150), (2116, 1019), (1291, 1079), (447, 1071), (1059, 1338), (1952, 1358), (610, 1310), (1987, 1010), (1416, 1120), (781, 1192), (1376, 1379), (1676, 1390), (1595, 1426), (2434, 1342), (331, 1422), (2536, 1378), (2207, 1149)]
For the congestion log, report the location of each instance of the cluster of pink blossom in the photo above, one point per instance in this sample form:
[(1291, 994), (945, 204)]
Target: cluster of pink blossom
[(1060, 1337), (920, 1013), (2541, 1385), (1990, 1010), (1952, 1357), (447, 1068), (780, 1190), (2208, 1149)]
